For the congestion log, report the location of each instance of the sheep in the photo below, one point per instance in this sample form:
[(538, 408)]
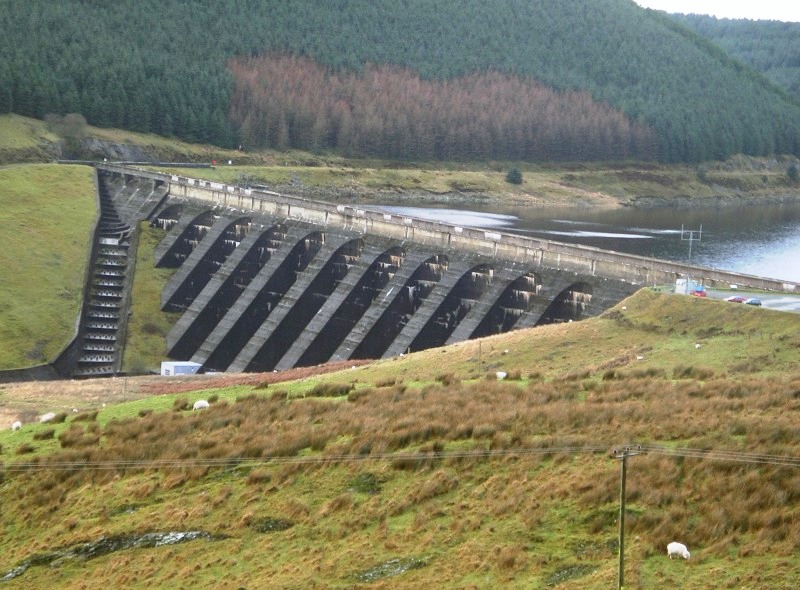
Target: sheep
[(16, 425), (200, 404), (46, 417), (678, 549), (501, 375)]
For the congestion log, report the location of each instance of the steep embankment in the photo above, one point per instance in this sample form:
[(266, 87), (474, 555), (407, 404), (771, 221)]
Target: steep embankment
[(47, 215)]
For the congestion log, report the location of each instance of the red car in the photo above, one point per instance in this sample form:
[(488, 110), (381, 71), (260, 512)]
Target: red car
[(736, 299)]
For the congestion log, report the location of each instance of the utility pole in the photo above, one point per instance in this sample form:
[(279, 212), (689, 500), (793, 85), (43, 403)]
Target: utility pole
[(623, 454), (690, 235)]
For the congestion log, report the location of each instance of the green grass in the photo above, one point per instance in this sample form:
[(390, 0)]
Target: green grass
[(22, 133), (47, 214), (516, 521), (145, 346)]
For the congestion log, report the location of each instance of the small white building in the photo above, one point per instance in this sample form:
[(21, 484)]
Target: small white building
[(179, 367), (687, 286)]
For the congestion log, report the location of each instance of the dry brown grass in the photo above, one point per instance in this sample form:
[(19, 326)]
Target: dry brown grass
[(753, 413), (479, 476)]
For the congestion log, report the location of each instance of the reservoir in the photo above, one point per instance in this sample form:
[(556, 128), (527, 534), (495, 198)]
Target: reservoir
[(761, 240)]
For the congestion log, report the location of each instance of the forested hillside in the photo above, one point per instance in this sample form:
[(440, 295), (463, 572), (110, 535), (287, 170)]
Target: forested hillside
[(457, 79), (770, 47)]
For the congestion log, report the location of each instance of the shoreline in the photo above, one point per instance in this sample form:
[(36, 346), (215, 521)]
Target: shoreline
[(581, 199)]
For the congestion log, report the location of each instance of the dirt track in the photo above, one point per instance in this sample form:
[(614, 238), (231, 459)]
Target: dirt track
[(28, 400)]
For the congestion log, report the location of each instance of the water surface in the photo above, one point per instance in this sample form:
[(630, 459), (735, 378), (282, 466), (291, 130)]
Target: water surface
[(756, 240)]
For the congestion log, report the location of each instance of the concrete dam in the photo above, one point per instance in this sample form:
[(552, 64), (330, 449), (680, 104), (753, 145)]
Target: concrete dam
[(264, 281)]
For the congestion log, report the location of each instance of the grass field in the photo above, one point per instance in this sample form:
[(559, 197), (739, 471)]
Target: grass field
[(425, 471), (145, 346), (47, 215)]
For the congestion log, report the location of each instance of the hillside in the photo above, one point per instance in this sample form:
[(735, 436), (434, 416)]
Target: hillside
[(48, 214), (425, 471), (769, 47), (615, 80)]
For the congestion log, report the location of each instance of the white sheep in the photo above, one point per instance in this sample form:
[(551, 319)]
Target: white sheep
[(46, 417), (501, 375), (200, 404), (16, 425), (678, 549)]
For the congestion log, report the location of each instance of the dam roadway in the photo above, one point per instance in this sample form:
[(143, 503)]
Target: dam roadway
[(265, 281)]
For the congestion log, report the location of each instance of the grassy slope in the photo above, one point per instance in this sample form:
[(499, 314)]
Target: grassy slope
[(145, 346), (517, 520), (584, 185), (47, 214), (24, 140)]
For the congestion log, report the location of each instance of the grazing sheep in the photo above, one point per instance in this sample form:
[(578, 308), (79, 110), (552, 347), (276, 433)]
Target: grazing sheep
[(46, 417), (16, 425), (200, 404), (678, 549), (501, 375)]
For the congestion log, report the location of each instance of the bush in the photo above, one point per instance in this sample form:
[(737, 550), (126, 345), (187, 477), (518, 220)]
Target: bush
[(25, 448), (514, 176), (331, 389), (45, 434), (180, 404), (793, 173)]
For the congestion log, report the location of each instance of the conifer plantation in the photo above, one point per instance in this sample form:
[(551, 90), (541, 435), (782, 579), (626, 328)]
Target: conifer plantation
[(534, 80)]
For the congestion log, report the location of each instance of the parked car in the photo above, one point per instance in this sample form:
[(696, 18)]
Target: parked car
[(753, 301), (700, 293), (736, 299)]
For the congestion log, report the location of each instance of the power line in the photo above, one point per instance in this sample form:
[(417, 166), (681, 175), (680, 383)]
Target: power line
[(131, 464), (277, 459)]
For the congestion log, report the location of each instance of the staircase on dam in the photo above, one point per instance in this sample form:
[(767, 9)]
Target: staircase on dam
[(101, 331)]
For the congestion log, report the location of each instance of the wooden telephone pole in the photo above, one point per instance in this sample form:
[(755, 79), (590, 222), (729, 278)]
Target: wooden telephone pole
[(623, 454)]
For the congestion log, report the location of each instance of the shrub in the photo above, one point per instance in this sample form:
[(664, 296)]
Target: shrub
[(331, 389), (514, 176), (793, 173), (85, 417), (359, 394), (366, 483), (689, 372), (448, 379), (258, 476), (45, 434), (180, 404), (25, 448)]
